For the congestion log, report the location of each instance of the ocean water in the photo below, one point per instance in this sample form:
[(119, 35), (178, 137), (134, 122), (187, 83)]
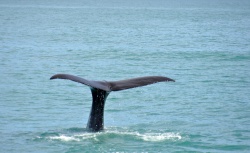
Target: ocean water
[(203, 45)]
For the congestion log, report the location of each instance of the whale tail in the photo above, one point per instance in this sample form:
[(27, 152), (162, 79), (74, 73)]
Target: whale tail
[(114, 85), (101, 89)]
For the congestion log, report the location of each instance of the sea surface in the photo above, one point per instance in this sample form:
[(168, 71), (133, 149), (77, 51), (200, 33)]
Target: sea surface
[(203, 45)]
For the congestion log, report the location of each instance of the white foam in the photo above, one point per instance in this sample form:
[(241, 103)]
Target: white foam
[(64, 138), (76, 137), (160, 136), (153, 137)]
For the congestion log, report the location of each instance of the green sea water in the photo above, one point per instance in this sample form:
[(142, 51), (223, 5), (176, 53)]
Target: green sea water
[(203, 45)]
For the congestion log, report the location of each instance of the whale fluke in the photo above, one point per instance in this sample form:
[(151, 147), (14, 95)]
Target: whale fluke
[(94, 84), (114, 85), (137, 82), (101, 89)]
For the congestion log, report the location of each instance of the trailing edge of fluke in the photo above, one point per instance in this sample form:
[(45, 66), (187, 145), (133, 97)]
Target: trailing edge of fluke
[(101, 89)]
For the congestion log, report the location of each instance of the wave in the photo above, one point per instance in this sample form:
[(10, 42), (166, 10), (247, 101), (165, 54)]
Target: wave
[(80, 134)]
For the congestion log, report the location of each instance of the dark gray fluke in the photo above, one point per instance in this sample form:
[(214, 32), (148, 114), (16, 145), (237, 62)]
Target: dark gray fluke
[(114, 85), (101, 89)]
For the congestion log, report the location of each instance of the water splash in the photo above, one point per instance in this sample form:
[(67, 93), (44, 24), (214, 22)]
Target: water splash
[(64, 138), (111, 134), (160, 136)]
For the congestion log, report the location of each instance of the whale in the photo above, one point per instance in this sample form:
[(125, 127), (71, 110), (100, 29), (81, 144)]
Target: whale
[(101, 89)]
